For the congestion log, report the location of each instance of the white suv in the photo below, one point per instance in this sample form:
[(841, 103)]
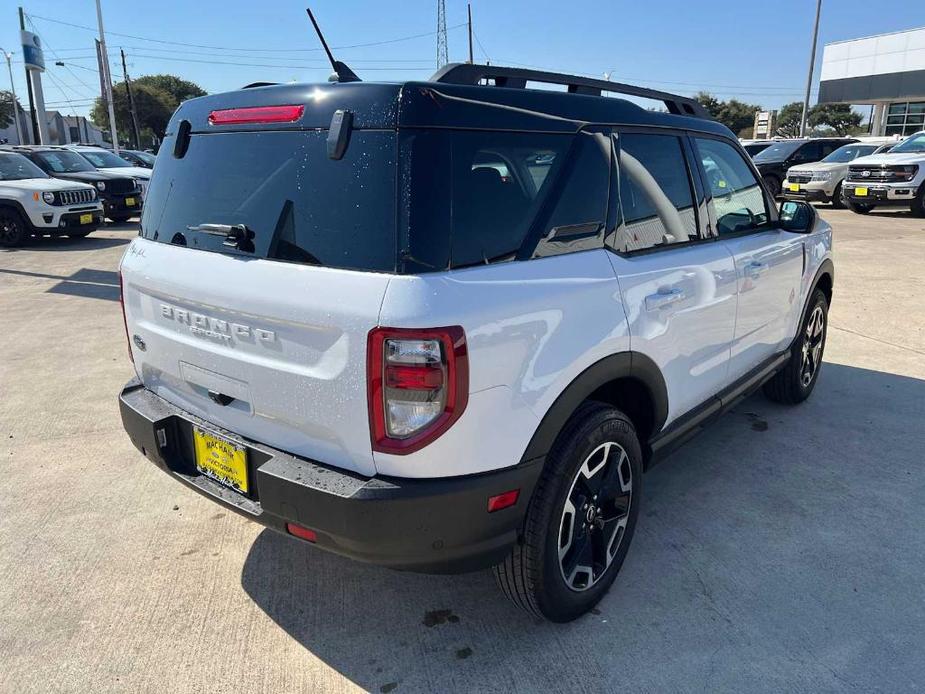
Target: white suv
[(442, 325), (33, 203)]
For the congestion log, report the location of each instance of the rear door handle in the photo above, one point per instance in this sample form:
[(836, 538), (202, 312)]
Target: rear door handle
[(663, 298), (755, 269)]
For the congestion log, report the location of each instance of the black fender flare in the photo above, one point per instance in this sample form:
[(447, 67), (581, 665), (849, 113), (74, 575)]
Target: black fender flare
[(620, 365), (17, 206)]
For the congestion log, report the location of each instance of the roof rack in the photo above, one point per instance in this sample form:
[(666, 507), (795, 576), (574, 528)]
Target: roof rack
[(517, 78)]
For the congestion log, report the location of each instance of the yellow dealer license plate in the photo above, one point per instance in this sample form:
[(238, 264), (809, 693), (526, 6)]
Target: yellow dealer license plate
[(795, 187), (860, 192), (221, 459), (130, 202), (86, 219)]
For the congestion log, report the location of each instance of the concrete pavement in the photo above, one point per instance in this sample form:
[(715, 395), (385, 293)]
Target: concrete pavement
[(782, 550)]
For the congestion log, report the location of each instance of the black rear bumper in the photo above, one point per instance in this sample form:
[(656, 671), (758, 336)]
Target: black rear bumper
[(433, 525)]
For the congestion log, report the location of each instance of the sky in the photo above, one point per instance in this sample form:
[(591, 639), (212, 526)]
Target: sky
[(751, 50)]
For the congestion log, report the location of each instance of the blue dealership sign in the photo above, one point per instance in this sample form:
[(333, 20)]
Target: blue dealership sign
[(32, 51)]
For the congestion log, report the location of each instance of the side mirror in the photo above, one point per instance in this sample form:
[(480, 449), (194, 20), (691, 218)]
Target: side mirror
[(796, 216)]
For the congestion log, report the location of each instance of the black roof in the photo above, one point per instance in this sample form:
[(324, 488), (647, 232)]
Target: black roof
[(504, 104)]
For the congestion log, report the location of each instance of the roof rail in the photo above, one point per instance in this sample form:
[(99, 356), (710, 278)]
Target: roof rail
[(517, 78)]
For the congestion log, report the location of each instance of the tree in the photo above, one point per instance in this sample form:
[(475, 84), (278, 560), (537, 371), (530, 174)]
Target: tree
[(153, 106), (179, 90), (6, 109), (788, 119), (839, 117), (736, 115)]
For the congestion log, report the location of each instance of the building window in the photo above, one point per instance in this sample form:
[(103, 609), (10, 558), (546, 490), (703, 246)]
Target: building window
[(905, 118)]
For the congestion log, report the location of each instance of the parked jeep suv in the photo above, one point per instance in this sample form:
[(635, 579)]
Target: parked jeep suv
[(446, 325), (774, 161), (895, 179), (34, 204)]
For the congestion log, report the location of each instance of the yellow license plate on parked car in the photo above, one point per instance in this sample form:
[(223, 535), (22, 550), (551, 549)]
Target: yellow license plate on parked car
[(130, 202), (795, 187), (860, 192), (221, 459), (86, 219)]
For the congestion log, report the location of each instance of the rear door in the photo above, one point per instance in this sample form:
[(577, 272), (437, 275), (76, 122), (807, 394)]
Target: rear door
[(768, 260), (679, 289), (259, 273)]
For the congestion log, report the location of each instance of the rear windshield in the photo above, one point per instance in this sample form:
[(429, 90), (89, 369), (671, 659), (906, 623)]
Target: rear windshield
[(300, 205)]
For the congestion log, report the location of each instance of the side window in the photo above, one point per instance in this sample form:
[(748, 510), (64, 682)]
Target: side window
[(809, 152), (737, 196), (655, 193), (829, 147)]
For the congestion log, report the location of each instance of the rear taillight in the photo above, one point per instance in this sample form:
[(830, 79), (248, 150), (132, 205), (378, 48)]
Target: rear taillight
[(128, 340), (257, 114), (418, 385)]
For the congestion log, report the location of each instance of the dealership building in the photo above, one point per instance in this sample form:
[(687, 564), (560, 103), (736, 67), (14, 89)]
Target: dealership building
[(886, 72)]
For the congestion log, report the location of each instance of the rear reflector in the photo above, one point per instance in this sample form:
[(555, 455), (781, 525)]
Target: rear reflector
[(303, 533), (257, 114), (500, 501)]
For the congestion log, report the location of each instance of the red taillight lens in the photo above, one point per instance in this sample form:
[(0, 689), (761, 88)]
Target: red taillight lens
[(128, 340), (257, 114), (418, 385)]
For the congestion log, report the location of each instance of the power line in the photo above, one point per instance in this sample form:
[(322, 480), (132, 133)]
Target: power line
[(265, 65), (249, 49)]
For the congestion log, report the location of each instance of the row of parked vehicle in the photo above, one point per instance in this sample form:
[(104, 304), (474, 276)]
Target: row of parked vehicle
[(66, 190), (846, 172)]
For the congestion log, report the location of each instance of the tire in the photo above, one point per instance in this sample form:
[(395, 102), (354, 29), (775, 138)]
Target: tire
[(918, 205), (838, 198), (13, 229), (860, 208), (560, 534), (794, 383), (121, 219), (79, 234), (772, 183)]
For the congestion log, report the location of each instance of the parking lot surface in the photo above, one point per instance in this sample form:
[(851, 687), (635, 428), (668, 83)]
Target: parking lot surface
[(781, 550)]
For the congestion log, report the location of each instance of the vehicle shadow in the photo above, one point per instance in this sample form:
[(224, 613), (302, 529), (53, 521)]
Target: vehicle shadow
[(63, 243), (86, 282), (758, 565)]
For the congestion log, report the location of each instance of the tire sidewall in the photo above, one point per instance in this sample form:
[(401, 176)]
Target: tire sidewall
[(773, 185), (838, 198), (17, 219), (817, 300), (556, 600)]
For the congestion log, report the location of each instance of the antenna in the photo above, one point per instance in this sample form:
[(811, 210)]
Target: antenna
[(442, 51), (341, 71)]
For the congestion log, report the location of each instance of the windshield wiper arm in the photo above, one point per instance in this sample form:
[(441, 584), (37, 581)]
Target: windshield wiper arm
[(236, 235)]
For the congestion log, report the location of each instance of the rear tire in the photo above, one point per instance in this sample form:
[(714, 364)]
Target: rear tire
[(773, 184), (860, 208), (794, 383), (12, 228), (581, 518), (838, 198)]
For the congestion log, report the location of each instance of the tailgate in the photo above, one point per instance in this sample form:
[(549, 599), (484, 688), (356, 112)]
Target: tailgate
[(281, 346)]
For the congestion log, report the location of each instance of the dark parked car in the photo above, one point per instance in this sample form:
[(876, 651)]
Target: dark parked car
[(138, 158), (774, 161), (121, 195)]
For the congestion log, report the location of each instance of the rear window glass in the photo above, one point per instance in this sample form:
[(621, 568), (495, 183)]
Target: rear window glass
[(471, 197), (300, 205)]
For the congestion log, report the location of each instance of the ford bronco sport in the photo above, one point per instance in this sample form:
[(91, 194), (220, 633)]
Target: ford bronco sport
[(447, 325)]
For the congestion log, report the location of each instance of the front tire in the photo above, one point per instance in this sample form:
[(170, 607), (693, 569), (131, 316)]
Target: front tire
[(12, 228), (794, 383), (773, 185), (121, 219), (79, 234), (860, 208), (839, 202), (918, 205), (581, 519)]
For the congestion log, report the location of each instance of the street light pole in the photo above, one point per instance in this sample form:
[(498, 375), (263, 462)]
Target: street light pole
[(809, 77), (107, 79), (9, 66)]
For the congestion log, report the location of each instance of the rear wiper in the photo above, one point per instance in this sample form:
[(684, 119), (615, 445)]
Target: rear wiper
[(236, 235)]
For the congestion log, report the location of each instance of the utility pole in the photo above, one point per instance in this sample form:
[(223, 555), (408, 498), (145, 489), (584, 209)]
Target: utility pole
[(107, 79), (35, 121), (442, 52), (131, 102), (9, 66), (469, 10), (809, 77)]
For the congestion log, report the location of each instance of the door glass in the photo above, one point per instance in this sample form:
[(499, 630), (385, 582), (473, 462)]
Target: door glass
[(737, 196), (655, 193)]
